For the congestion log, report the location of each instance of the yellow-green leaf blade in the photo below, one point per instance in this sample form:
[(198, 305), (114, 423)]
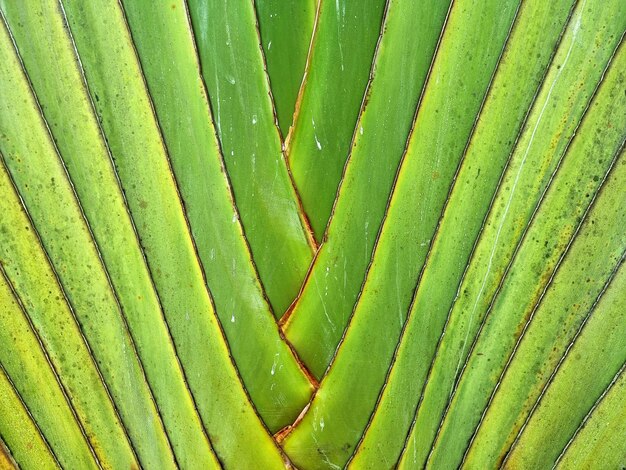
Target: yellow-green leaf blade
[(576, 69), (590, 366), (32, 399), (125, 109), (42, 182), (17, 430), (270, 372), (52, 71), (539, 266), (343, 405), (27, 269), (562, 309), (525, 58), (601, 437)]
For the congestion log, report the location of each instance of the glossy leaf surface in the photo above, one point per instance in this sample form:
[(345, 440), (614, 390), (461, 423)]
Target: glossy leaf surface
[(312, 234)]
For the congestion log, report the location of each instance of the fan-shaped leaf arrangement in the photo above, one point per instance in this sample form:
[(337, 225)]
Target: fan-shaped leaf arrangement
[(320, 234)]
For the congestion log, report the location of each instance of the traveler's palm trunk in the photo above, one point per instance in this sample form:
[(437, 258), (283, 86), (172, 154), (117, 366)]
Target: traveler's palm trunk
[(314, 234)]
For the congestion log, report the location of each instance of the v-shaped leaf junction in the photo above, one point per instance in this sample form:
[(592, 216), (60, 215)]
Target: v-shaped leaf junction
[(312, 234)]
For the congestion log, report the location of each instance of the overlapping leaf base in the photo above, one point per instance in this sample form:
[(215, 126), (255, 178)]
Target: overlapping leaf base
[(317, 234)]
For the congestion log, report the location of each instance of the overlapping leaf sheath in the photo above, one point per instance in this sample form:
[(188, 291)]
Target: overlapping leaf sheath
[(270, 372), (54, 71), (233, 70), (34, 385), (561, 310), (27, 269), (286, 29), (336, 78), (576, 69), (523, 298), (534, 35), (581, 379), (602, 431), (17, 428), (124, 109), (420, 193), (42, 182), (312, 234), (323, 308)]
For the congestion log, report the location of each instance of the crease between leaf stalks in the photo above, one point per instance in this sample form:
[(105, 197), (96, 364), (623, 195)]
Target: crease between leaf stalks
[(334, 423), (322, 310), (163, 298)]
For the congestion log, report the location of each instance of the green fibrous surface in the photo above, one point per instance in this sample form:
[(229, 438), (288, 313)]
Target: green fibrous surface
[(538, 153), (124, 109), (271, 374), (286, 30), (323, 308), (382, 305), (40, 177), (18, 429), (486, 156), (238, 88), (86, 156), (337, 74), (580, 381)]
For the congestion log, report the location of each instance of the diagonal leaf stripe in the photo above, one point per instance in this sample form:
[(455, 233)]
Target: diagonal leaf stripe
[(6, 459), (28, 270), (277, 385), (485, 157), (34, 385), (479, 448), (601, 431), (579, 382), (20, 431), (321, 312), (66, 238), (89, 164), (546, 323), (394, 258), (523, 297), (163, 230), (312, 234), (538, 154)]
